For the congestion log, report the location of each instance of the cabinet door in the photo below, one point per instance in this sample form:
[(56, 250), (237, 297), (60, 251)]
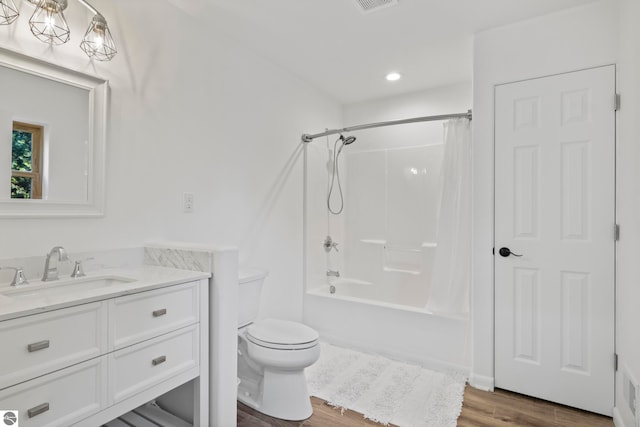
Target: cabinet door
[(41, 343), (138, 317), (138, 367), (60, 398)]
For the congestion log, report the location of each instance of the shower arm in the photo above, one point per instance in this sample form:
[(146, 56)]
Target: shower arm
[(310, 137)]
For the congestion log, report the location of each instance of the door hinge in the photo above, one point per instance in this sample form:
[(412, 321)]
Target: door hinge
[(615, 361), (616, 232), (616, 102)]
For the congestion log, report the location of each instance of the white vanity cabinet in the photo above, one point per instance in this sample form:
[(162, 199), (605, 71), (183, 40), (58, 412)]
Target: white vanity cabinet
[(85, 364)]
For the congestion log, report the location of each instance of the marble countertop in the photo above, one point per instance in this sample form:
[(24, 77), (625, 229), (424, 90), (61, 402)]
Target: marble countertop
[(38, 296)]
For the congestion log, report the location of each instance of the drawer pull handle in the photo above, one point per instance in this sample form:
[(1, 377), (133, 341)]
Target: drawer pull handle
[(37, 410), (159, 360), (41, 345), (160, 312)]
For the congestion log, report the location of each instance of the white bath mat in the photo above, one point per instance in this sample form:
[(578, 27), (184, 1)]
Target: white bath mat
[(386, 391)]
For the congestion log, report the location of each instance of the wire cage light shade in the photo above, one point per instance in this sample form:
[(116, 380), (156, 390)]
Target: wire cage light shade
[(8, 12), (48, 23), (98, 42)]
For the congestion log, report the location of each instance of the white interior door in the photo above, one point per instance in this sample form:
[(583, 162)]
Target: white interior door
[(555, 206)]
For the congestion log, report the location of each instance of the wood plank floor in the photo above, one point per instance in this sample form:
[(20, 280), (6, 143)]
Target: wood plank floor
[(480, 409)]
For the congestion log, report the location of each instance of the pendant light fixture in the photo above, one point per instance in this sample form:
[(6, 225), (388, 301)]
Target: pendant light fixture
[(97, 42), (48, 24), (8, 12)]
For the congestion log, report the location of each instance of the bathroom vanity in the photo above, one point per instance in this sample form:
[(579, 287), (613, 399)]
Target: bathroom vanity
[(81, 352)]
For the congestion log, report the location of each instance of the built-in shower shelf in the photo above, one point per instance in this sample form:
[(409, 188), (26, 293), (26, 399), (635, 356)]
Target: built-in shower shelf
[(373, 241), (401, 270), (384, 242)]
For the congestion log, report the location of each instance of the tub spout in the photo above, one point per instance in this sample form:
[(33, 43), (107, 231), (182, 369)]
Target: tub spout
[(334, 273)]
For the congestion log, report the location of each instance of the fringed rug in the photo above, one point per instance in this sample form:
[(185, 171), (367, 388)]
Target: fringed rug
[(384, 390)]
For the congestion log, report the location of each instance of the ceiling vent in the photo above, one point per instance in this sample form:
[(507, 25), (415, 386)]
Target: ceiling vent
[(368, 6)]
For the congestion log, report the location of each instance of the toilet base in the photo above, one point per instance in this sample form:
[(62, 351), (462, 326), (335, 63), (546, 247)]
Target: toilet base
[(281, 394)]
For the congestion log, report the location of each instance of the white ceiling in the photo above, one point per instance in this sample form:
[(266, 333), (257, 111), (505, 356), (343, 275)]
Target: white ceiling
[(346, 53)]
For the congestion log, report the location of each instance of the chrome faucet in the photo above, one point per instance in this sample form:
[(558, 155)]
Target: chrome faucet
[(78, 271), (334, 273), (18, 277), (51, 273)]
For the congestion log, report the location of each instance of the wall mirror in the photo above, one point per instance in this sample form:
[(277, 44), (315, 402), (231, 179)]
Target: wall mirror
[(52, 139)]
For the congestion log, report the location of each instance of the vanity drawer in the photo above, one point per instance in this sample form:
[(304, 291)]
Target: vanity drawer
[(35, 345), (138, 317), (143, 365), (60, 398)]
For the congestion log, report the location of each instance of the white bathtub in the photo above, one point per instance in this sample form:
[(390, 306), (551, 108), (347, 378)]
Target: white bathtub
[(368, 293), (354, 317)]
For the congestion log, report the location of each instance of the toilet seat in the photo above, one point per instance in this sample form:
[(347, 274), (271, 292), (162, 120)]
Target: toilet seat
[(282, 335)]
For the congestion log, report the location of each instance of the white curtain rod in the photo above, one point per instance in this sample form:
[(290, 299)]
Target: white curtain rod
[(310, 137)]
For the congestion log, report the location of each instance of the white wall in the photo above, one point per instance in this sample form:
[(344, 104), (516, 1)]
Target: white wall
[(628, 290), (191, 111), (443, 100), (566, 41)]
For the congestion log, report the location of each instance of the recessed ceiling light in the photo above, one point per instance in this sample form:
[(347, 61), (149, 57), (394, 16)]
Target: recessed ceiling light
[(392, 77)]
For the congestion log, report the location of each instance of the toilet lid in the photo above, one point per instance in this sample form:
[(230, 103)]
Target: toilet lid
[(282, 334)]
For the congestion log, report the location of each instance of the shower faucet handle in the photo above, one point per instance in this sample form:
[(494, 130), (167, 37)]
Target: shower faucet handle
[(329, 244)]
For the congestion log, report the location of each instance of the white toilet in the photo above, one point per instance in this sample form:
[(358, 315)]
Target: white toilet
[(272, 355)]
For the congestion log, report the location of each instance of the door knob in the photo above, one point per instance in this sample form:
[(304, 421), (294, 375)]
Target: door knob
[(505, 252)]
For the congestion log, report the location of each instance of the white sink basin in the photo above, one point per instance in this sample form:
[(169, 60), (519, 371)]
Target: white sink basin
[(58, 287)]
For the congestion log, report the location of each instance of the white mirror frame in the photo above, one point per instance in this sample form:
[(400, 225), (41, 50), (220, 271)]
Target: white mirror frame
[(98, 98)]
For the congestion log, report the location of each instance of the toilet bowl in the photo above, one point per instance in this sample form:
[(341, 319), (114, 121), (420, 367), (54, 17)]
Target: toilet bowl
[(272, 356)]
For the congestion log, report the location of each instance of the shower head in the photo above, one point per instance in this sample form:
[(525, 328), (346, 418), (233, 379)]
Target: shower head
[(348, 140)]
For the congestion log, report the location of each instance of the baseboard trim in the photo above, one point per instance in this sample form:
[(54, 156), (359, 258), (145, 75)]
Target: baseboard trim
[(481, 382), (618, 420)]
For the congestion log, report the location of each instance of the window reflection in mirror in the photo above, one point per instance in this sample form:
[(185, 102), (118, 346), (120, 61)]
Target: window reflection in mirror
[(26, 161), (49, 155), (53, 124)]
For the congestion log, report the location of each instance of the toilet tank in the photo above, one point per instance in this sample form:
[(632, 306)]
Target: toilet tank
[(249, 289)]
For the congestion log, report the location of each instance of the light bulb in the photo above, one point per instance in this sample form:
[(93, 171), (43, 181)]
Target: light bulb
[(97, 42), (48, 23), (393, 76)]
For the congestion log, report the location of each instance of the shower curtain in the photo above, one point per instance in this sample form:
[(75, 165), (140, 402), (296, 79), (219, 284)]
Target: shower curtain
[(451, 272)]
